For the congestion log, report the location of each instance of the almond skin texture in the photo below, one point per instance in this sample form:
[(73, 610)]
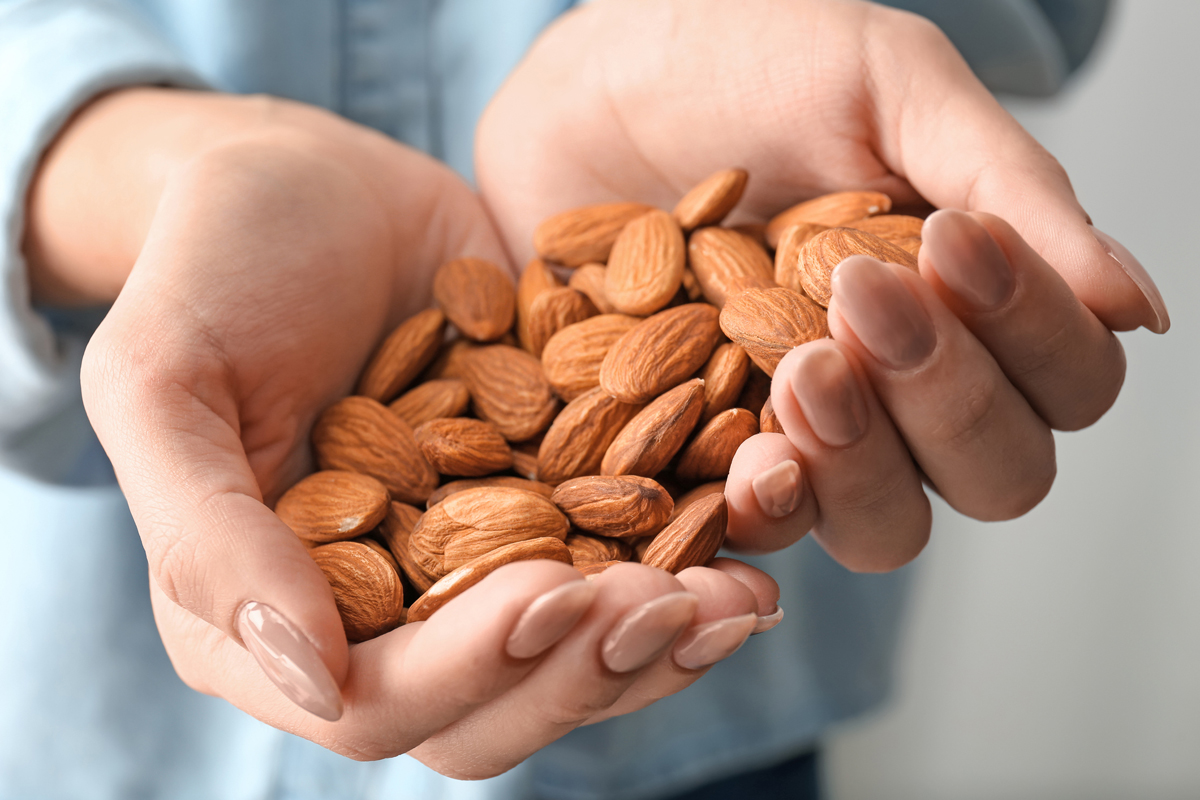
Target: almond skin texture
[(471, 573), (365, 587), (470, 523), (709, 201), (710, 453), (623, 507), (587, 549), (525, 458), (770, 322), (693, 538), (830, 210), (468, 447), (436, 399), (825, 251), (331, 506), (727, 262), (701, 491), (477, 296), (648, 443), (577, 441), (589, 280), (691, 286), (357, 434), (592, 569), (537, 277), (724, 377), (571, 359), (660, 352), (767, 421), (506, 481), (450, 361), (787, 254), (395, 530), (402, 355), (757, 391), (894, 228), (584, 234), (553, 310), (646, 265), (911, 246), (510, 391)]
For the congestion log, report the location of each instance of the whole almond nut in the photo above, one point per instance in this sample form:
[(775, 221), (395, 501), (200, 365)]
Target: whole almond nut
[(787, 254), (724, 377), (757, 391), (459, 446), (911, 246), (709, 201), (770, 322), (589, 280), (449, 364), (395, 531), (584, 234), (471, 573), (402, 355), (648, 443), (691, 286), (577, 441), (692, 538), (646, 265), (587, 549), (592, 569), (525, 459), (382, 551), (332, 505), (891, 227), (553, 310), (822, 253), (477, 296), (358, 434), (710, 453), (445, 397), (701, 491), (626, 506), (571, 359), (767, 421), (755, 230), (660, 352), (510, 391), (830, 210), (727, 262), (537, 277), (506, 481), (366, 589)]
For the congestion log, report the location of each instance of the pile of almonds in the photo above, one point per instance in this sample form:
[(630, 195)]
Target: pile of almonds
[(590, 421)]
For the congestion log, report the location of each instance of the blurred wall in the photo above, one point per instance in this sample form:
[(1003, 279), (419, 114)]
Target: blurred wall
[(1058, 656)]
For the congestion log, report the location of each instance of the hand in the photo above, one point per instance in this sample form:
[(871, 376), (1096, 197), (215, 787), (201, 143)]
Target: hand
[(261, 249), (956, 380)]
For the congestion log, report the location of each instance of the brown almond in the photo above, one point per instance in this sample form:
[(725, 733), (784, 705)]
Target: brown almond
[(553, 310), (648, 443), (701, 491), (787, 254), (693, 538), (709, 201), (510, 391), (450, 361), (381, 549), (727, 262), (767, 421), (825, 251), (436, 399), (724, 377), (506, 481), (587, 549), (358, 434), (755, 230), (366, 588), (537, 277), (710, 453), (592, 569), (691, 286), (395, 530), (571, 359), (402, 355), (660, 352), (584, 234), (468, 447), (894, 228), (757, 391), (589, 281), (911, 246), (626, 506), (525, 459), (581, 434), (477, 296), (830, 210), (471, 573), (332, 505), (646, 266), (770, 322)]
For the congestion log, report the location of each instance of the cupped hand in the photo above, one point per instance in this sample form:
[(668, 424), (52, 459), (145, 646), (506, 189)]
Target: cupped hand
[(954, 378)]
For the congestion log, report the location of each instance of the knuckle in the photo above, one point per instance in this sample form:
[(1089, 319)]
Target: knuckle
[(964, 422), (573, 711)]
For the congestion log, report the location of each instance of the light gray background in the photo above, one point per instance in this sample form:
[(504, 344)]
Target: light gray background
[(1058, 656)]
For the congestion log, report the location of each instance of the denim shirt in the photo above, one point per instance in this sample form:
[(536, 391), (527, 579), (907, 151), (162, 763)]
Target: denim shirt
[(89, 704)]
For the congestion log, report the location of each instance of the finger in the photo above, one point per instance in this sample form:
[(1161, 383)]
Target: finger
[(771, 504), (1069, 366), (765, 588), (988, 453)]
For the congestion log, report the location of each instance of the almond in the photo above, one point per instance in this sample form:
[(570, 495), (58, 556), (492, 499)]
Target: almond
[(724, 377), (358, 434), (627, 506), (754, 230), (710, 453), (589, 280), (446, 397), (767, 421), (537, 277), (581, 434), (468, 447), (693, 538), (660, 352), (727, 262), (506, 481), (770, 322), (911, 246), (894, 228), (584, 234), (402, 355), (709, 201), (691, 286), (592, 569), (332, 505), (471, 573), (646, 265), (366, 589), (381, 550), (787, 254), (701, 491), (450, 361), (587, 549), (651, 439), (553, 310), (825, 251), (510, 391), (757, 391), (525, 459), (395, 531), (830, 210), (571, 359), (477, 296)]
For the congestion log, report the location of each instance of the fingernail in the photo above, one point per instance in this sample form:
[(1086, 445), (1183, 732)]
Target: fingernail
[(881, 310), (645, 633), (1137, 273), (829, 395), (289, 660), (968, 260), (778, 489), (708, 644), (768, 621), (549, 617)]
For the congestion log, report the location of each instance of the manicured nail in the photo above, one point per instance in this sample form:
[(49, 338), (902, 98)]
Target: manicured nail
[(709, 643), (768, 621), (778, 489), (968, 260), (883, 313), (829, 395), (549, 617), (645, 633), (1137, 273), (289, 660)]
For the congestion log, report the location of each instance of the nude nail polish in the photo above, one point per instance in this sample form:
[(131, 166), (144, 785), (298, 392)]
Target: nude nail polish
[(768, 621), (778, 489), (1137, 273), (883, 313), (647, 632), (714, 641), (289, 660), (549, 617), (968, 260), (829, 396)]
